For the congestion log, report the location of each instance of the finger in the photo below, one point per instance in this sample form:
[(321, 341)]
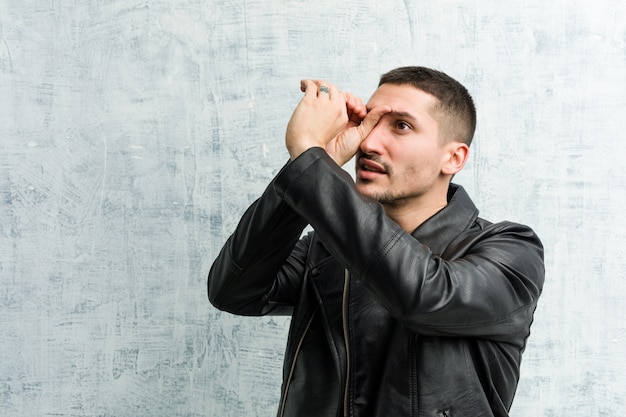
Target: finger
[(334, 92), (356, 109), (325, 89), (372, 119), (309, 87)]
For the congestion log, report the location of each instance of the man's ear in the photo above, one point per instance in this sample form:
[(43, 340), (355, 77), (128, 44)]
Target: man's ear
[(455, 157)]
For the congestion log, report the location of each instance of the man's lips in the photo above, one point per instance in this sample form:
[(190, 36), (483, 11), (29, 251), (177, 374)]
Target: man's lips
[(368, 168)]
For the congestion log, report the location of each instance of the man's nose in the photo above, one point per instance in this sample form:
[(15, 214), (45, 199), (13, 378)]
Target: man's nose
[(373, 142)]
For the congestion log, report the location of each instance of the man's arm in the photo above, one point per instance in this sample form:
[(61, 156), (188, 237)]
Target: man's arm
[(259, 269)]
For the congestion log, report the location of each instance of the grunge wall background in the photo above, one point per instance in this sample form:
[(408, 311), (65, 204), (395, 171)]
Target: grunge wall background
[(134, 134)]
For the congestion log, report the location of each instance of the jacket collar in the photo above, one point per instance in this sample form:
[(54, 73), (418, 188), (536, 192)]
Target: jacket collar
[(439, 230)]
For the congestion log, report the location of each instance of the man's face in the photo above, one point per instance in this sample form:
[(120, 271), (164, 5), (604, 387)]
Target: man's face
[(400, 161)]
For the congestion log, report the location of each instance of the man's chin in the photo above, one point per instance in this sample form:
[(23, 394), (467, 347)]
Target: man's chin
[(368, 190)]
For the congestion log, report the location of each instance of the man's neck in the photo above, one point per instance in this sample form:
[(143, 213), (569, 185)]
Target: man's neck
[(411, 219), (411, 215)]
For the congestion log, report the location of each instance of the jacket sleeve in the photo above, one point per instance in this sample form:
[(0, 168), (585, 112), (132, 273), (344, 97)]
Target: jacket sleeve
[(260, 267), (489, 291)]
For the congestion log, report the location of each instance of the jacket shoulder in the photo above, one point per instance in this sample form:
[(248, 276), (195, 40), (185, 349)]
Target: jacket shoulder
[(486, 228), (512, 245)]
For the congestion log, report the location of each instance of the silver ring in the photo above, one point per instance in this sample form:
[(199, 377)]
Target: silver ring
[(324, 89)]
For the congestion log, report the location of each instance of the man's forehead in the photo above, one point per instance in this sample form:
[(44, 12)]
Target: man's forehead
[(403, 98)]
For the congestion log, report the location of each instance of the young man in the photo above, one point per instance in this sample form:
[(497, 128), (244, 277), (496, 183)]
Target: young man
[(403, 301)]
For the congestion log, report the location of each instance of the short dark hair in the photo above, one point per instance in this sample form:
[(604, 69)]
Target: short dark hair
[(456, 108)]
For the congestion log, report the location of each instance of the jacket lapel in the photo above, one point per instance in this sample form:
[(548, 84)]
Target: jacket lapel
[(438, 231)]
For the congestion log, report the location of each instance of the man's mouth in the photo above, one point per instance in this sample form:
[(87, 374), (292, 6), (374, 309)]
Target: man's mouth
[(366, 164), (370, 170)]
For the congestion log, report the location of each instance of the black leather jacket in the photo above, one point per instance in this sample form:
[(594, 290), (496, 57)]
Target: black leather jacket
[(384, 323)]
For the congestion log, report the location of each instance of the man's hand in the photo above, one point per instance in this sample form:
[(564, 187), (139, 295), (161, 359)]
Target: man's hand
[(345, 145), (330, 119), (319, 117)]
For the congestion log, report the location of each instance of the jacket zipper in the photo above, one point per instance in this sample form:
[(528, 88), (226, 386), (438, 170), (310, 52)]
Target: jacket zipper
[(346, 336), (293, 364)]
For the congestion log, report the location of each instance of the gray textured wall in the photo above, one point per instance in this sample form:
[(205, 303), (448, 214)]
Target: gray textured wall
[(134, 134)]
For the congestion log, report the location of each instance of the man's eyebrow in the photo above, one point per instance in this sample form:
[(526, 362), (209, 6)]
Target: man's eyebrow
[(398, 113), (402, 114)]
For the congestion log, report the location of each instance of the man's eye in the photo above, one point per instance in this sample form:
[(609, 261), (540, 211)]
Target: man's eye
[(403, 126)]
